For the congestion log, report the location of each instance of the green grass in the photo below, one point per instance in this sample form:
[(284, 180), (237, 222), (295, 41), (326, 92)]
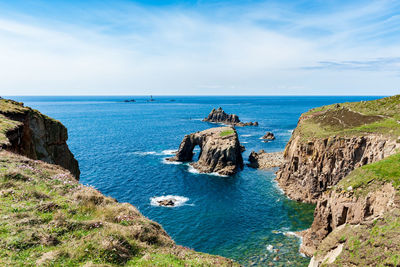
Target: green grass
[(48, 218), (226, 133), (363, 179), (385, 111)]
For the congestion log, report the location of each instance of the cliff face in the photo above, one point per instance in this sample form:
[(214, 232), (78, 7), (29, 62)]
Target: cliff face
[(344, 158), (220, 151), (335, 209), (37, 136), (312, 167)]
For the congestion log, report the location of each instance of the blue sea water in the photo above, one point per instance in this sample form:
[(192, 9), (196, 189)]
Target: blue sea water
[(121, 149)]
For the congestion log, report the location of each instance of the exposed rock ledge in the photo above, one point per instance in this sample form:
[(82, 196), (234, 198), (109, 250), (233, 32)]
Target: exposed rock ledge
[(264, 160), (36, 136), (335, 209), (220, 151), (312, 167), (219, 116)]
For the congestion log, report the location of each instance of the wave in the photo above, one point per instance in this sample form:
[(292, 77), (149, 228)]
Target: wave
[(145, 153), (165, 161), (193, 170), (246, 135), (244, 142), (169, 152), (178, 200)]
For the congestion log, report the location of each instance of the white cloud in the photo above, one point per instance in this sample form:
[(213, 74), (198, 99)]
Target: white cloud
[(178, 51)]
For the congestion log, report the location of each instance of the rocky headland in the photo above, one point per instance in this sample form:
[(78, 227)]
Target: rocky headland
[(345, 158), (220, 151), (264, 160), (48, 219), (219, 116)]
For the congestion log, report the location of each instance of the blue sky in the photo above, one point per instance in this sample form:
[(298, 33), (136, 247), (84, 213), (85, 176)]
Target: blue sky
[(171, 47)]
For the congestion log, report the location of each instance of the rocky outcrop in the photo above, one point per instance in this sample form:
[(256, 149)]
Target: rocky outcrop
[(220, 151), (264, 160), (335, 209), (37, 136), (219, 116), (313, 166), (268, 137)]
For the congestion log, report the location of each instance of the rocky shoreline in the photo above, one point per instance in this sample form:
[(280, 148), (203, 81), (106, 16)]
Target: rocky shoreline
[(264, 160)]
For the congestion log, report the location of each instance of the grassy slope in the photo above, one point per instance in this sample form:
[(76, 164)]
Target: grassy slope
[(380, 116), (46, 217)]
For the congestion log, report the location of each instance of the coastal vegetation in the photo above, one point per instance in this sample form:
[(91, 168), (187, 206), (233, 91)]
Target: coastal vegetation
[(47, 218), (379, 116)]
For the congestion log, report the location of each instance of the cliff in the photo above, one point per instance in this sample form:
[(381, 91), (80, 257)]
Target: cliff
[(48, 219), (219, 116), (30, 133), (264, 160), (329, 142), (220, 151), (343, 157), (357, 221)]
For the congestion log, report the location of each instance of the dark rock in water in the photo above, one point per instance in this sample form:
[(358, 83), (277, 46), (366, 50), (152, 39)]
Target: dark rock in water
[(167, 202), (269, 136), (220, 151), (129, 100), (219, 116), (264, 160)]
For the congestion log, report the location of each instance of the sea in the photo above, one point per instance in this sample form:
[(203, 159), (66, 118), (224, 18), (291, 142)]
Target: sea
[(121, 148)]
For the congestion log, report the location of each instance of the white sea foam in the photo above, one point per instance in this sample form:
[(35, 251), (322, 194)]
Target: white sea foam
[(270, 248), (193, 170), (246, 135), (244, 142), (169, 152), (165, 161), (145, 153), (178, 200)]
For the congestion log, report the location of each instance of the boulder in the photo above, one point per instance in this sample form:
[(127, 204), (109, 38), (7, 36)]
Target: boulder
[(264, 160), (268, 136), (220, 151)]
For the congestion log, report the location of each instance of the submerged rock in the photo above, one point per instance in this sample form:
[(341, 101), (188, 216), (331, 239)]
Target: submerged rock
[(167, 202), (219, 116), (264, 160), (220, 151)]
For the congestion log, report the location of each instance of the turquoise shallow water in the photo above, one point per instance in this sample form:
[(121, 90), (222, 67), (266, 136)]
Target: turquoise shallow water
[(121, 146)]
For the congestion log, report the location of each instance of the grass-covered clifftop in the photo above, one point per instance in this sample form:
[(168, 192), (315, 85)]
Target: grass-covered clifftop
[(381, 116), (48, 218)]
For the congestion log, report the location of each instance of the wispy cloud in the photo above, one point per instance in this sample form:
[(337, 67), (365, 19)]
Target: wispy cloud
[(118, 47)]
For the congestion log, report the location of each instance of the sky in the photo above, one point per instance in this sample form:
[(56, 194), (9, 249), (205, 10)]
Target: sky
[(122, 47)]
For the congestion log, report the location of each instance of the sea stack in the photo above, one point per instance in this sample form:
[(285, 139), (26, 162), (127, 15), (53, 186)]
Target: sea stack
[(219, 116), (220, 151)]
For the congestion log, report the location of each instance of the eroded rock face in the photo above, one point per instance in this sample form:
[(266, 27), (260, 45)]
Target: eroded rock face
[(220, 151), (264, 160), (312, 167), (338, 208), (40, 137), (219, 116)]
